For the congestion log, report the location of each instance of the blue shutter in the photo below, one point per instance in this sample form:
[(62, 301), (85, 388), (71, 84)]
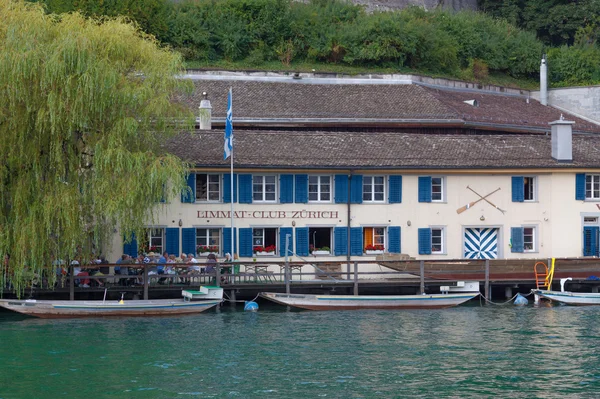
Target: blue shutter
[(425, 189), (341, 189), (516, 238), (131, 248), (394, 237), (424, 241), (190, 196), (590, 240), (356, 241), (302, 241), (188, 240), (340, 235), (395, 196), (286, 189), (518, 189), (301, 189), (356, 189), (283, 231), (246, 242), (580, 186), (227, 240), (227, 187), (172, 240), (245, 189)]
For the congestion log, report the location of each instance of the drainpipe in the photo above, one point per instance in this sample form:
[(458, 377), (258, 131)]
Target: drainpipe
[(543, 82), (349, 214)]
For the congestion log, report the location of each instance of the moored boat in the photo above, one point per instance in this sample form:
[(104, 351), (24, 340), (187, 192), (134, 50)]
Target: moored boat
[(355, 302), (191, 302), (570, 298)]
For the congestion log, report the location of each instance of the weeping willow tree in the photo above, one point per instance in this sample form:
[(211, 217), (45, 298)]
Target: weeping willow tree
[(85, 105)]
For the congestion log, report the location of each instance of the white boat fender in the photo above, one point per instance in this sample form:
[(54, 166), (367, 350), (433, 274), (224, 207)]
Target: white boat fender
[(520, 300), (250, 306)]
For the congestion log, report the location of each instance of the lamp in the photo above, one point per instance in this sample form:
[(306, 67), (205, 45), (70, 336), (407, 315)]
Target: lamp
[(180, 223), (408, 223), (482, 218)]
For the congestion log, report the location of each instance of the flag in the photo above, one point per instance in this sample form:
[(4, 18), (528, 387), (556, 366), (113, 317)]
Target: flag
[(228, 147)]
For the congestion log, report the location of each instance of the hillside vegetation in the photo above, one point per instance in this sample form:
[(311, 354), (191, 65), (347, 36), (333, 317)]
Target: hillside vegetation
[(338, 36)]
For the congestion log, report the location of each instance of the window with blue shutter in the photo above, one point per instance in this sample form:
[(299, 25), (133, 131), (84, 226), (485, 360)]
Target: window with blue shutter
[(246, 242), (580, 186), (302, 241), (341, 189), (516, 239), (340, 235), (518, 189), (130, 248), (227, 187), (425, 189), (283, 231), (590, 240), (356, 189), (424, 241), (301, 189), (172, 240), (189, 194), (227, 240), (245, 189), (188, 240), (395, 196), (394, 237), (356, 241), (286, 189)]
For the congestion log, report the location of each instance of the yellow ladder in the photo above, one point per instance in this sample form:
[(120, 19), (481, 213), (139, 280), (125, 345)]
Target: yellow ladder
[(543, 276)]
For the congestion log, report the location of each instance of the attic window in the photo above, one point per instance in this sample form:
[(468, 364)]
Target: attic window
[(474, 103)]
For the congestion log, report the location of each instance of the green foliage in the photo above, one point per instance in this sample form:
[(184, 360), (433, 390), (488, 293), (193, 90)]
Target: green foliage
[(84, 111), (574, 66)]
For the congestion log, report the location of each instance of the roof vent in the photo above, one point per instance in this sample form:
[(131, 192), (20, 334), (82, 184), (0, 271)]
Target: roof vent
[(562, 140), (474, 103), (296, 76), (205, 113)]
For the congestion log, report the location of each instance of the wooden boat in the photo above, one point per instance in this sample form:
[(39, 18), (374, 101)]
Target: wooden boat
[(355, 302), (191, 302), (570, 298)]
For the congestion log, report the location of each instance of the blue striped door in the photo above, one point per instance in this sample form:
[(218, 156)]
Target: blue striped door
[(481, 243)]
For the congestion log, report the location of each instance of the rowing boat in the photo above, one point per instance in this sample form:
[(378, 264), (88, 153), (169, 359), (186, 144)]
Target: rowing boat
[(570, 298)]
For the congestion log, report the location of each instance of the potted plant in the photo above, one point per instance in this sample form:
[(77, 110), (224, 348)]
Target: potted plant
[(260, 250), (320, 251), (374, 249), (204, 250)]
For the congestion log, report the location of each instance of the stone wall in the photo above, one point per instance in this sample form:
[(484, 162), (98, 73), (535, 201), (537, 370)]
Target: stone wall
[(580, 101), (456, 5)]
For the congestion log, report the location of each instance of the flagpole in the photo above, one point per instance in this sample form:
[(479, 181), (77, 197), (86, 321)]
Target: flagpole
[(231, 186)]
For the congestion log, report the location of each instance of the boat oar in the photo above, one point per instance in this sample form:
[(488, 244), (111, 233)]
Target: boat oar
[(486, 200), (470, 204), (104, 299)]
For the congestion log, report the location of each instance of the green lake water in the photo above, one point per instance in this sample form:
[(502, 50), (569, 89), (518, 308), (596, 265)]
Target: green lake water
[(462, 352)]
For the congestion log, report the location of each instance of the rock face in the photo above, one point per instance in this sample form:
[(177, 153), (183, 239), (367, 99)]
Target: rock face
[(456, 5)]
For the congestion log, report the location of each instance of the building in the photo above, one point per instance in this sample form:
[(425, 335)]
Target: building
[(349, 168)]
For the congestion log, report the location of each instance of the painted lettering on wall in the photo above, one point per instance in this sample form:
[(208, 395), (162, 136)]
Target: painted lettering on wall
[(268, 214)]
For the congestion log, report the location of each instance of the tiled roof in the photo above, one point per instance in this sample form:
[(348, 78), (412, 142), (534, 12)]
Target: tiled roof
[(314, 149), (264, 100)]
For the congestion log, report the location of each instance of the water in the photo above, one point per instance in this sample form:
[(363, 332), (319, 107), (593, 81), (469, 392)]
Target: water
[(463, 352)]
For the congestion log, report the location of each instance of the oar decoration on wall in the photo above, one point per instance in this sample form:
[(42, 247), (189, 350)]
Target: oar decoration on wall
[(481, 198)]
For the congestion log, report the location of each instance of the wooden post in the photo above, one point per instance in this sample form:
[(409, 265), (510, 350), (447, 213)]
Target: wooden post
[(422, 274), (355, 278), (486, 289), (286, 276), (217, 276), (146, 282), (71, 283), (232, 298)]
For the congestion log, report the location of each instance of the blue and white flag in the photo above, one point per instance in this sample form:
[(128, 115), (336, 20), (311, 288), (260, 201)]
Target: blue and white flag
[(228, 147)]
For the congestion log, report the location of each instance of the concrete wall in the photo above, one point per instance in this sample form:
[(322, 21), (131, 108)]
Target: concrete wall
[(378, 5), (580, 101)]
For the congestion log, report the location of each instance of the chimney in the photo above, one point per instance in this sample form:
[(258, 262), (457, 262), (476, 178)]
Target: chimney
[(543, 82), (562, 140), (205, 113)]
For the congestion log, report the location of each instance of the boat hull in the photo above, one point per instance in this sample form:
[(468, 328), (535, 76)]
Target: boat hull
[(349, 302), (570, 298), (72, 309)]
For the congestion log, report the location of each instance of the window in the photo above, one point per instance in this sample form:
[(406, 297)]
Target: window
[(319, 188), (208, 187), (208, 240), (529, 188), (592, 186), (437, 240), (263, 188), (437, 189), (373, 188), (319, 239), (153, 241), (528, 239), (374, 238), (264, 240), (590, 220)]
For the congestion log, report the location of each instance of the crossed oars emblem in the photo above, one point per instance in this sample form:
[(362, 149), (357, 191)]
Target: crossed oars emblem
[(484, 198)]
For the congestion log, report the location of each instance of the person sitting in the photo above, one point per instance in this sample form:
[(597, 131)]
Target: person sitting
[(78, 271)]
